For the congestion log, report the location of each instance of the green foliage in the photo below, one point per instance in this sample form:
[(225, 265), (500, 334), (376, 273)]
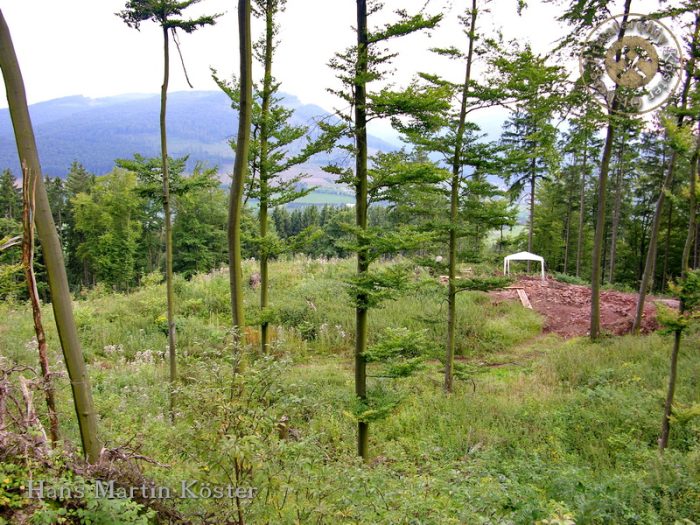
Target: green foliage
[(11, 276), (400, 351), (10, 197), (370, 289), (77, 502), (108, 220), (688, 292), (483, 284), (165, 13), (379, 404)]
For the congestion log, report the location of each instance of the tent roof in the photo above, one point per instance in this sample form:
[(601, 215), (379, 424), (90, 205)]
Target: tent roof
[(524, 256)]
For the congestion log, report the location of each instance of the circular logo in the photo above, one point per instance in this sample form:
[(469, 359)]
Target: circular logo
[(639, 68)]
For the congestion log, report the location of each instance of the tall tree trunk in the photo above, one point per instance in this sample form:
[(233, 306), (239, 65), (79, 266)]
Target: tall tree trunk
[(28, 194), (599, 230), (581, 207), (533, 184), (361, 218), (567, 227), (692, 225), (602, 190), (264, 188), (651, 248), (53, 255), (692, 212), (454, 211), (667, 246), (616, 211), (240, 167), (695, 159), (169, 288), (668, 405)]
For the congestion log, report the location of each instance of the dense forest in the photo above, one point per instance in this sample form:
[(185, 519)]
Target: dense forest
[(214, 348)]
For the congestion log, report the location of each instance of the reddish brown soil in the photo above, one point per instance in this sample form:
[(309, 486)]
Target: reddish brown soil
[(567, 307)]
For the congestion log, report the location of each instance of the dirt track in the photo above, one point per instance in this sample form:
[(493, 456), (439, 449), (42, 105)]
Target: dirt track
[(567, 307)]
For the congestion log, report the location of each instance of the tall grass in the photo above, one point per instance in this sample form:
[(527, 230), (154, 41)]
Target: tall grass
[(538, 427)]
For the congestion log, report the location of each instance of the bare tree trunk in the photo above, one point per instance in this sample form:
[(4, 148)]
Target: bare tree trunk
[(264, 189), (169, 288), (651, 247), (28, 192), (600, 215), (599, 230), (533, 184), (693, 205), (567, 228), (53, 254), (668, 405), (361, 218), (240, 167), (581, 208), (454, 212), (616, 212), (667, 246)]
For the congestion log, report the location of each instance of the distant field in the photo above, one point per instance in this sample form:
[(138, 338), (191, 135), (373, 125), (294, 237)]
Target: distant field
[(321, 196)]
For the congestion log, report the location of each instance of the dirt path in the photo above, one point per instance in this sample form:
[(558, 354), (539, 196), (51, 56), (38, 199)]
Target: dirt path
[(567, 307)]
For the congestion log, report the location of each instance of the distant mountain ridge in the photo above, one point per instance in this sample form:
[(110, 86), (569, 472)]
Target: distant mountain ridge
[(97, 131)]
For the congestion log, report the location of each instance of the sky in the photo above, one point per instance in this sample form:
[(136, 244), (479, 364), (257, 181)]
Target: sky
[(79, 47)]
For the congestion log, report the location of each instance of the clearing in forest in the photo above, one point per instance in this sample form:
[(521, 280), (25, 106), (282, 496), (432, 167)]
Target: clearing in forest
[(567, 307)]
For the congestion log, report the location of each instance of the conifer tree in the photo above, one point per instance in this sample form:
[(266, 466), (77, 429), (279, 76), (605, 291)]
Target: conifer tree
[(271, 156), (10, 197), (78, 180), (457, 141), (358, 68)]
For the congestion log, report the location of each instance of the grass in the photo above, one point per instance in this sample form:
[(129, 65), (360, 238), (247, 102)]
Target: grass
[(538, 428)]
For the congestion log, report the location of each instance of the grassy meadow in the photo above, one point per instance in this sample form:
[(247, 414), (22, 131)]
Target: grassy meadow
[(539, 429)]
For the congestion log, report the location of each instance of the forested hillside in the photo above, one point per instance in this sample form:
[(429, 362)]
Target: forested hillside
[(95, 132)]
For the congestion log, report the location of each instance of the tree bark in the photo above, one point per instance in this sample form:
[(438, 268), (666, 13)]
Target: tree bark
[(53, 254), (667, 246), (581, 207), (240, 167), (616, 211), (651, 246), (361, 218), (598, 244), (668, 405), (28, 193), (454, 211), (264, 188), (533, 184), (692, 220), (598, 237), (169, 288), (567, 227)]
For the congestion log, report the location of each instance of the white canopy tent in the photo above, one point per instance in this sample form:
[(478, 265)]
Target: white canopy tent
[(522, 256)]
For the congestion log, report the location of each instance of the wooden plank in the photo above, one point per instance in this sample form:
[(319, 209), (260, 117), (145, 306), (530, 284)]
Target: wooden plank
[(524, 299)]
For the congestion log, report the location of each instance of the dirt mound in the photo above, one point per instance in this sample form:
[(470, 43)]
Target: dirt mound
[(567, 307)]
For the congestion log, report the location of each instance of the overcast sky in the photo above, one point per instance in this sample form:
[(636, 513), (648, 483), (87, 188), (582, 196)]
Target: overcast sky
[(79, 47)]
